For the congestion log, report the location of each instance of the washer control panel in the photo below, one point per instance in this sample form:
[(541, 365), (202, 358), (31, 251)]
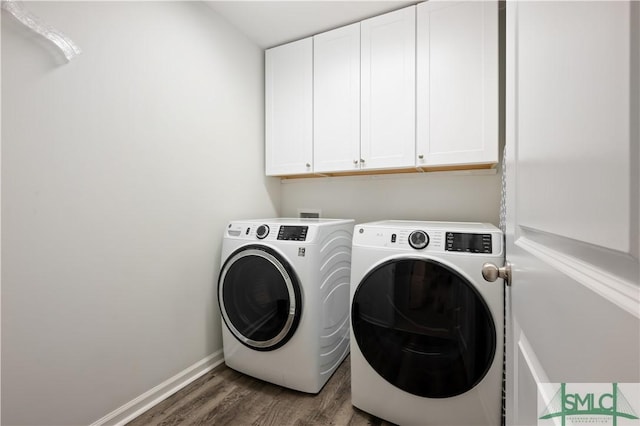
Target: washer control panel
[(262, 231), (293, 233), (271, 231), (468, 242)]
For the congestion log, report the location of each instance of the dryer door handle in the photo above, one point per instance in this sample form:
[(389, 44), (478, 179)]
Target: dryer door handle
[(491, 272)]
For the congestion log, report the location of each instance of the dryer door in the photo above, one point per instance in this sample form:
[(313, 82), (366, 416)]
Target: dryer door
[(259, 297), (423, 327)]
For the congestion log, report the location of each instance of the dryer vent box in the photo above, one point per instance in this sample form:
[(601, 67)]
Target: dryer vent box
[(309, 213)]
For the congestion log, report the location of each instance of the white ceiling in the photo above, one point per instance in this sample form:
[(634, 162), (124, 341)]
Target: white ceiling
[(270, 23)]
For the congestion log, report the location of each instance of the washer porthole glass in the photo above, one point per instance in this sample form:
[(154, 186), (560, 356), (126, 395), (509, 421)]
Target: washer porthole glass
[(259, 297)]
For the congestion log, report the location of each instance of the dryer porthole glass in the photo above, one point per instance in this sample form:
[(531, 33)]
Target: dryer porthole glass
[(259, 297), (423, 327)]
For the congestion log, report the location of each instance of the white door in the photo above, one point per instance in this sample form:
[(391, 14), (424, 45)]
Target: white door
[(388, 90), (336, 100), (289, 108), (457, 83), (573, 129)]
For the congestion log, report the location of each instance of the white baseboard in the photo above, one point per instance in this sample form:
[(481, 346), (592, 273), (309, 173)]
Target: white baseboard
[(139, 405)]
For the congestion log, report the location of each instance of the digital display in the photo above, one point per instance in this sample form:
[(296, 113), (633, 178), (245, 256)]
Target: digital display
[(469, 243), (293, 233)]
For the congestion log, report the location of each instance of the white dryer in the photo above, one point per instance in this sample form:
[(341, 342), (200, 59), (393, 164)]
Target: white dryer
[(427, 329), (283, 293)]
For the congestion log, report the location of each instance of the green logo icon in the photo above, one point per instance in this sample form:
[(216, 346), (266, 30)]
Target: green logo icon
[(584, 405)]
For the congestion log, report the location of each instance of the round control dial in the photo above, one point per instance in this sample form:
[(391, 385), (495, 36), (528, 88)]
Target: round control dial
[(418, 239), (262, 231)]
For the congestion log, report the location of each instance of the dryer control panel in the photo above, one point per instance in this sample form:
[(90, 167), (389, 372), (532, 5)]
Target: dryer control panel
[(468, 242), (431, 237)]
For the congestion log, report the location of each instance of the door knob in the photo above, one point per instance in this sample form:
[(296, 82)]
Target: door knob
[(491, 272)]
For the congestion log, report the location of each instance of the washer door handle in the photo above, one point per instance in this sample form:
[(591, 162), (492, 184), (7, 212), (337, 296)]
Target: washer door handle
[(491, 272)]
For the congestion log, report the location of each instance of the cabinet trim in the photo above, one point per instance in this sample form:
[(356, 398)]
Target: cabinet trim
[(417, 170)]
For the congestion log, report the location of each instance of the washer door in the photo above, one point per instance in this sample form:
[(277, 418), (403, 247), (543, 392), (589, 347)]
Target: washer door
[(259, 297), (423, 327)]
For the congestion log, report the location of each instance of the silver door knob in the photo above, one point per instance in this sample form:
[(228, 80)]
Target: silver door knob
[(421, 156), (308, 165), (491, 272), (355, 161), (361, 160)]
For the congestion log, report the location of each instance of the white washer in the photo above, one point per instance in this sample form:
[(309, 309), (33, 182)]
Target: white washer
[(283, 293), (427, 329)]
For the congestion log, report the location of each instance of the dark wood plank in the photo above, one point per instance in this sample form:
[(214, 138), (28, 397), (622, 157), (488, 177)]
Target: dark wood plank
[(227, 397)]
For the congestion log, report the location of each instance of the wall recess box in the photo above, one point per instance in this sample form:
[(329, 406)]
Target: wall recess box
[(309, 213)]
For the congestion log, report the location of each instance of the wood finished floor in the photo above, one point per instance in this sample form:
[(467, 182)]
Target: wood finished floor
[(226, 397)]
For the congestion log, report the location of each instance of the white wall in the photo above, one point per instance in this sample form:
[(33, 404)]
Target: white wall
[(447, 196), (119, 172)]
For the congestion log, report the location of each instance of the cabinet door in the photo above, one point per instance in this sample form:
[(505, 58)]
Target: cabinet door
[(288, 108), (457, 83), (388, 90), (336, 101)]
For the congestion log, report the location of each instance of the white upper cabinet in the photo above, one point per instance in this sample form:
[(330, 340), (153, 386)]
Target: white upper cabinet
[(413, 88), (289, 108), (457, 83), (336, 100), (388, 45)]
